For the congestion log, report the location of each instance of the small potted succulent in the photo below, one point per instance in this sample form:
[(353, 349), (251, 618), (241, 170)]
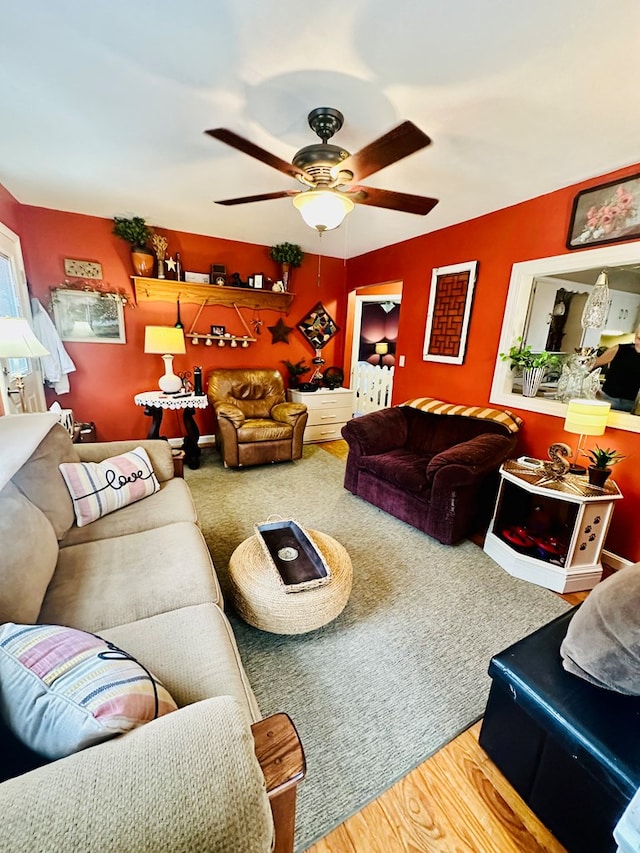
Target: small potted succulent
[(137, 232), (287, 255), (532, 364), (602, 458)]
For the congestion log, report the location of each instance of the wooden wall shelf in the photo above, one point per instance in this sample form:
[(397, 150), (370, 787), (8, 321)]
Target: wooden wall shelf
[(162, 290)]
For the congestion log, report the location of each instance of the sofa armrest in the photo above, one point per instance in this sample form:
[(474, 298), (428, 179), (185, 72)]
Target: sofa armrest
[(288, 413), (159, 451), (187, 781), (471, 458), (230, 412), (377, 432), (283, 764)]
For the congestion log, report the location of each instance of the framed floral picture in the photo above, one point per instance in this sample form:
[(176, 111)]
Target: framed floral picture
[(318, 327), (606, 214)]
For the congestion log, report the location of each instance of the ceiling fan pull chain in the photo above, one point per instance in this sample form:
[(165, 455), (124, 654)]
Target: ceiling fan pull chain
[(319, 256)]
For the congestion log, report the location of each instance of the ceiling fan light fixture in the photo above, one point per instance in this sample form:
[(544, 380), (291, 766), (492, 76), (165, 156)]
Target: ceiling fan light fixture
[(323, 209)]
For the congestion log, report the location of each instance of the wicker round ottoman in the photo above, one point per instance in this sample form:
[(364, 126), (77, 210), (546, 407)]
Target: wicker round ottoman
[(260, 600)]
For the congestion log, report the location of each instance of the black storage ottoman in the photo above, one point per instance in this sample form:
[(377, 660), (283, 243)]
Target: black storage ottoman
[(570, 749)]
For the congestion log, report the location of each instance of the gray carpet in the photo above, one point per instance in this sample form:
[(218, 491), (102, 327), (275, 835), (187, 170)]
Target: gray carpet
[(403, 669)]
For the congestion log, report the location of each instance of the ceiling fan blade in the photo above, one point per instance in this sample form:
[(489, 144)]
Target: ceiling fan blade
[(264, 197), (242, 144), (403, 140), (392, 200)]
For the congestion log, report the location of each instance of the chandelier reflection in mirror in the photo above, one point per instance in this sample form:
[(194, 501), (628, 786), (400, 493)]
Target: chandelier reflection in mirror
[(596, 307)]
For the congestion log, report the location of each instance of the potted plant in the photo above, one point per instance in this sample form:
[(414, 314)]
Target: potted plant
[(138, 233), (287, 255), (602, 458), (295, 371), (532, 364)]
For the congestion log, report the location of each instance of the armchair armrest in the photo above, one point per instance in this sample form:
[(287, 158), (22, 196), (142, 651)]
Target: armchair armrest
[(159, 451), (187, 781), (376, 432), (288, 413), (477, 456), (230, 412)]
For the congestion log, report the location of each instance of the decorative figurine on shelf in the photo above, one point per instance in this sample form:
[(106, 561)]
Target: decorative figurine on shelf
[(170, 267), (236, 281), (159, 244), (187, 387), (316, 376)]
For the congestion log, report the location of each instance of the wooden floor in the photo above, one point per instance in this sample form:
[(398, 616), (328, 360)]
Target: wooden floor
[(456, 802)]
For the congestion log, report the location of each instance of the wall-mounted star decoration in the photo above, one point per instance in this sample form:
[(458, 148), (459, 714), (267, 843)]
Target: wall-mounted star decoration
[(280, 332)]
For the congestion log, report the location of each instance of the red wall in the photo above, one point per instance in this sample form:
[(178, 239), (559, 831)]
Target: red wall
[(534, 229), (109, 375), (9, 210)]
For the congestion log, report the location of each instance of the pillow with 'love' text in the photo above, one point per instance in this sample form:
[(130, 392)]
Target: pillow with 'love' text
[(98, 488)]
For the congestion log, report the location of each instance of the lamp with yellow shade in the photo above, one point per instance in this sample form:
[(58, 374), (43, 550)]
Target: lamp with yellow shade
[(583, 418), (166, 341)]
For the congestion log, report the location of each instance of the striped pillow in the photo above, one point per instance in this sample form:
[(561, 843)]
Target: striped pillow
[(97, 488), (62, 690)]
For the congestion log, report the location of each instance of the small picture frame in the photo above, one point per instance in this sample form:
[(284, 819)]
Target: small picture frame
[(257, 280), (218, 331), (197, 277)]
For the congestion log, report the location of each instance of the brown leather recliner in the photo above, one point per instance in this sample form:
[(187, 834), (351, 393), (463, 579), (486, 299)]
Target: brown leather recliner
[(255, 424)]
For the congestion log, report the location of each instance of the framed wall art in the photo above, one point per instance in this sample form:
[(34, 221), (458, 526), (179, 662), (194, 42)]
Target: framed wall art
[(318, 327), (450, 300), (606, 214), (88, 317)]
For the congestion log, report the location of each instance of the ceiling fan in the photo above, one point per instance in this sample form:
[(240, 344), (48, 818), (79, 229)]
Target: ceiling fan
[(331, 176)]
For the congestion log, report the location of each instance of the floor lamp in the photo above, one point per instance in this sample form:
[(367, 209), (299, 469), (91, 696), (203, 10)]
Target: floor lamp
[(18, 341), (585, 417)]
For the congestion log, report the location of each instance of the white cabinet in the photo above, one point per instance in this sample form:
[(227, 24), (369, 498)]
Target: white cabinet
[(547, 531), (329, 410)]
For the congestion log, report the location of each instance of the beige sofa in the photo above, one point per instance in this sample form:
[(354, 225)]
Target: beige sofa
[(142, 578)]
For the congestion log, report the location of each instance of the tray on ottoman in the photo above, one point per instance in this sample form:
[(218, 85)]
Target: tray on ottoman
[(298, 562)]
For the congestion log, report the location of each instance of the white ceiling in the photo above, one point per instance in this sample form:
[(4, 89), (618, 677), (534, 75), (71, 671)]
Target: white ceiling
[(104, 104)]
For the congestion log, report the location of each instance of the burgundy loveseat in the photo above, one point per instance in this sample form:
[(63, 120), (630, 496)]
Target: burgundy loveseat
[(429, 463)]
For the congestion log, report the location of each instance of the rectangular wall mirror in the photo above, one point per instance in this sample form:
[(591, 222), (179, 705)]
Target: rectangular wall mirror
[(544, 305)]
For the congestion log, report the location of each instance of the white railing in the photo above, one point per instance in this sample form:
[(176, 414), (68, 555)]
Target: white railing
[(371, 386)]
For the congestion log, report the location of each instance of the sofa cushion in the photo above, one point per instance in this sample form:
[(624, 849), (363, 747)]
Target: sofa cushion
[(172, 503), (112, 581), (602, 644), (62, 690), (402, 468), (27, 558), (39, 479), (98, 488), (193, 652)]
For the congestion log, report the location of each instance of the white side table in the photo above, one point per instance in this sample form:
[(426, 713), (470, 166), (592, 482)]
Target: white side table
[(550, 532), (155, 403)]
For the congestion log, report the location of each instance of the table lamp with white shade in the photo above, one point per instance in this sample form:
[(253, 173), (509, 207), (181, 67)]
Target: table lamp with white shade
[(583, 418), (166, 341), (17, 340)]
